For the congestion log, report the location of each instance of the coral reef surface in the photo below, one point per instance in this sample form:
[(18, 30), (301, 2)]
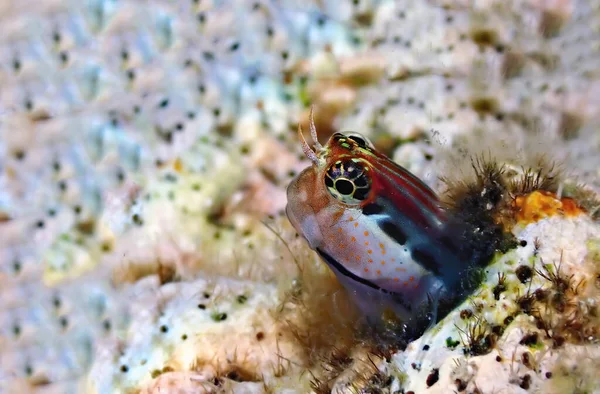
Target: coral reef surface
[(145, 148)]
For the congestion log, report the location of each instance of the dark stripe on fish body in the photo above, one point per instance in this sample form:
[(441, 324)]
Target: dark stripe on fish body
[(331, 261), (372, 209), (394, 232), (398, 298), (426, 260), (414, 194), (450, 243)]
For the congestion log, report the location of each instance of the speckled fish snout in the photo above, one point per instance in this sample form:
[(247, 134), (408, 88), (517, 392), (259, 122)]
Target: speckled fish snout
[(302, 208)]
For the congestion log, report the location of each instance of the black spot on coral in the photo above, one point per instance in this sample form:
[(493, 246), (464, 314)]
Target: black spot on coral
[(529, 339), (219, 316), (137, 219), (525, 382), (484, 37), (433, 377), (19, 155), (524, 273), (460, 385)]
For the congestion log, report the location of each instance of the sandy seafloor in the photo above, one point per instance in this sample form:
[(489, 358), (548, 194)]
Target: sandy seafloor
[(145, 148)]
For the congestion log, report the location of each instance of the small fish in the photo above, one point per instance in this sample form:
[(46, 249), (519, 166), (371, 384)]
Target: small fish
[(379, 228)]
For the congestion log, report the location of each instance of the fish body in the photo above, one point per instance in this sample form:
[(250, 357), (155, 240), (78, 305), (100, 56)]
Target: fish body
[(378, 227)]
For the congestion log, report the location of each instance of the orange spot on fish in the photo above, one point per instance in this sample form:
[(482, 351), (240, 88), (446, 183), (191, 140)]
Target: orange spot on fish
[(370, 260), (356, 224), (351, 218), (381, 246), (338, 214), (401, 269), (382, 262), (366, 233), (378, 272), (367, 243), (369, 251), (383, 251), (396, 280), (405, 283), (366, 270), (357, 258), (340, 230), (353, 239), (411, 278)]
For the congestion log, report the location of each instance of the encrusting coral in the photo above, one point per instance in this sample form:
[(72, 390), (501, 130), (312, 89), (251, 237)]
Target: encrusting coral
[(145, 149)]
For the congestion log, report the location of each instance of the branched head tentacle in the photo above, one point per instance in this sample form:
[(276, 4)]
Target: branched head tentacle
[(313, 155), (306, 148), (313, 129)]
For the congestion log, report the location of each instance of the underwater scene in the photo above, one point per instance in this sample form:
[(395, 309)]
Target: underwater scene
[(300, 196)]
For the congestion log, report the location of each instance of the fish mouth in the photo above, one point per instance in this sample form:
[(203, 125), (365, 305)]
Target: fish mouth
[(308, 226), (300, 208), (291, 217)]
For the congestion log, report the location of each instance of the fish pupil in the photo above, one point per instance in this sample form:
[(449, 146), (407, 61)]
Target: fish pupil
[(344, 186)]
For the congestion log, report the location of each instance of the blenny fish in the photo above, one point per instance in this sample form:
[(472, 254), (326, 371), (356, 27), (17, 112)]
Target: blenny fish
[(380, 229)]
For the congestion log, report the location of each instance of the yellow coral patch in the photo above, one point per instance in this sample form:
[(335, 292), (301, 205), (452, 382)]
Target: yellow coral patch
[(541, 204), (178, 165)]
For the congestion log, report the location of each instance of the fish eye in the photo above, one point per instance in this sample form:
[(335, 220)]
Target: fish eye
[(361, 140), (348, 181)]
